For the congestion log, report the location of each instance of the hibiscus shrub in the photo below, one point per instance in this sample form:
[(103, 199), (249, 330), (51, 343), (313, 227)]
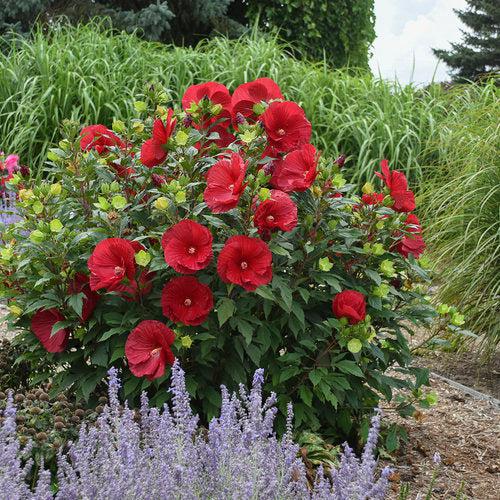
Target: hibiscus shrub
[(216, 234)]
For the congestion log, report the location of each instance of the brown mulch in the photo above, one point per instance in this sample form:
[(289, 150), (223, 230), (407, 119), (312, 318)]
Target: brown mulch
[(464, 430), (466, 433)]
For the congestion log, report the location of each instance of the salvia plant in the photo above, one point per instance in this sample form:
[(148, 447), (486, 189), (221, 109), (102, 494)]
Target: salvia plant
[(151, 453), (216, 233)]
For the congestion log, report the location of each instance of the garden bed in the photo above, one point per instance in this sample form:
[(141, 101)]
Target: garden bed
[(463, 429)]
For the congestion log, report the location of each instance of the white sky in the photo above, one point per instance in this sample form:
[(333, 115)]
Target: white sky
[(406, 32)]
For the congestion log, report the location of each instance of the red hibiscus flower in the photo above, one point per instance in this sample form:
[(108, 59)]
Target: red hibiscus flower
[(277, 212), (111, 262), (225, 184), (154, 150), (148, 349), (80, 284), (185, 300), (41, 325), (216, 93), (245, 261), (286, 126), (297, 171), (373, 199), (247, 96), (349, 304), (412, 243), (404, 199), (187, 246), (100, 138)]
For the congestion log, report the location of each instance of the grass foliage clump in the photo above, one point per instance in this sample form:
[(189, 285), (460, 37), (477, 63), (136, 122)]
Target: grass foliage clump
[(462, 200), (90, 73)]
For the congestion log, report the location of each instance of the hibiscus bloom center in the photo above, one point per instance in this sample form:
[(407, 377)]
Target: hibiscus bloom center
[(191, 250), (155, 352), (281, 132), (244, 265), (187, 302), (119, 271)]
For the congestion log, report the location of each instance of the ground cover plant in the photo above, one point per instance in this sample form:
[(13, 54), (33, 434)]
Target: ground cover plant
[(165, 454), (222, 220)]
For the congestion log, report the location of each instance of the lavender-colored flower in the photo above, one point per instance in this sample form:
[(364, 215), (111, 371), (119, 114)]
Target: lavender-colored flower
[(8, 209), (436, 458), (164, 454)]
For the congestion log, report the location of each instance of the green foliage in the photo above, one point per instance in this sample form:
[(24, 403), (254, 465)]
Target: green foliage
[(87, 73), (462, 201), (479, 52), (287, 326), (341, 32)]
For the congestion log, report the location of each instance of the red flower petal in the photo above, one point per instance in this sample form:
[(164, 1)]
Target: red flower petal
[(297, 171), (187, 246), (112, 261), (286, 126), (185, 300), (100, 138), (225, 184), (41, 325), (245, 261), (278, 212), (349, 304), (148, 349)]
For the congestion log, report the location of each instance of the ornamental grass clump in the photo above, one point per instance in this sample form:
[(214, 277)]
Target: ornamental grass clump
[(151, 453), (215, 232)]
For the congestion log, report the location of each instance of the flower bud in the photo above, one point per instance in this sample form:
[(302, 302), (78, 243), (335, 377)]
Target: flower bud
[(381, 291), (114, 187), (158, 180), (24, 170), (55, 189), (180, 197), (443, 309), (186, 341), (181, 138), (119, 127), (55, 225), (378, 249), (325, 264), (216, 109), (140, 106), (338, 181), (37, 236), (239, 119), (15, 310), (457, 319), (25, 194), (37, 207), (137, 126), (340, 161), (258, 108), (368, 188), (142, 258), (187, 121), (387, 268), (119, 202), (161, 203), (264, 194)]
